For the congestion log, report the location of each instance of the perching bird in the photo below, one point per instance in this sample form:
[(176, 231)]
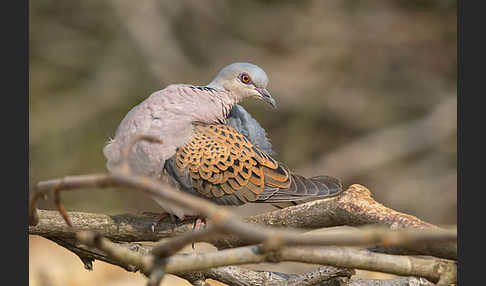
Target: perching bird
[(212, 147)]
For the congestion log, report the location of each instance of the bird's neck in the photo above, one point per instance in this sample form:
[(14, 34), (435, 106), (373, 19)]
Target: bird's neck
[(216, 84), (223, 98), (226, 102), (226, 109), (215, 106)]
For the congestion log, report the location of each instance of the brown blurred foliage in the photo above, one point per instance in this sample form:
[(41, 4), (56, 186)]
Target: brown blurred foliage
[(339, 70)]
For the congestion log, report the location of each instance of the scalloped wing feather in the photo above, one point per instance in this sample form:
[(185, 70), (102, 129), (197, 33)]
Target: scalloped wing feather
[(223, 165)]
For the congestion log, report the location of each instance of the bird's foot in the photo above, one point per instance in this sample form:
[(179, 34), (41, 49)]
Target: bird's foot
[(158, 218)]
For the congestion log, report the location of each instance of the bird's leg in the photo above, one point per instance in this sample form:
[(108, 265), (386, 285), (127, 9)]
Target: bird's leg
[(200, 221)]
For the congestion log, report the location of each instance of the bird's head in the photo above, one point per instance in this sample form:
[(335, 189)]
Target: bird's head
[(244, 80)]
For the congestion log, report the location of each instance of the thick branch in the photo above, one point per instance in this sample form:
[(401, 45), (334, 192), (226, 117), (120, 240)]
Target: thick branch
[(353, 207), (52, 224), (123, 227)]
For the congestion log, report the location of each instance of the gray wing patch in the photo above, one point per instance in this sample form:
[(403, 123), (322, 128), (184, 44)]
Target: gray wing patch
[(242, 121)]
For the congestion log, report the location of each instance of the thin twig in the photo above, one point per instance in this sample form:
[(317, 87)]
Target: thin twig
[(67, 183), (60, 207), (156, 277), (121, 254)]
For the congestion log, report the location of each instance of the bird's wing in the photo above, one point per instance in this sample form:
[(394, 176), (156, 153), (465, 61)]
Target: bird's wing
[(221, 164)]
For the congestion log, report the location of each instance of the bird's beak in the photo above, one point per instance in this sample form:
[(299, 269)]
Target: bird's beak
[(265, 96)]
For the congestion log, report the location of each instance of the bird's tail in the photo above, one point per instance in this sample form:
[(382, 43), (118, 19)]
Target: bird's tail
[(299, 188)]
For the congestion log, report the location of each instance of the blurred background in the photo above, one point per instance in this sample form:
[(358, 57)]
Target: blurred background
[(366, 92)]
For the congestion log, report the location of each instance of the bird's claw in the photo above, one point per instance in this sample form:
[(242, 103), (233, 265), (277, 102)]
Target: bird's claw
[(158, 217)]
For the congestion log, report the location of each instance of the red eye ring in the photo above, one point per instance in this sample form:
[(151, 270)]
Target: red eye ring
[(245, 78)]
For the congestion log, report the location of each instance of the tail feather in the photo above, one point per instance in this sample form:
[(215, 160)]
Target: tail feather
[(302, 188), (331, 184)]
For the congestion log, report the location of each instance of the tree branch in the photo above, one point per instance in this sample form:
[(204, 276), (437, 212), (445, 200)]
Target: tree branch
[(233, 275), (239, 276), (432, 269), (354, 206), (404, 281)]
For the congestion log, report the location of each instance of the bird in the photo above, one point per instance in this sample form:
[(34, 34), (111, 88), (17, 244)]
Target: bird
[(211, 146)]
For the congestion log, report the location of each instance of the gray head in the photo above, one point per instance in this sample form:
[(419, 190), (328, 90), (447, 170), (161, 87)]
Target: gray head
[(243, 80)]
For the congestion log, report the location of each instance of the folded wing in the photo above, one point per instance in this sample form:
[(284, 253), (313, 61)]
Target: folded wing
[(221, 164)]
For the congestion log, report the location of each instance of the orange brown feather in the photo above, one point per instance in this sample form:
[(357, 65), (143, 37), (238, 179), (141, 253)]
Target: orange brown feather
[(220, 160)]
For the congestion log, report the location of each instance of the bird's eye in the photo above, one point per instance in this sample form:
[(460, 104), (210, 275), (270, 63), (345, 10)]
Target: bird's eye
[(245, 78)]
